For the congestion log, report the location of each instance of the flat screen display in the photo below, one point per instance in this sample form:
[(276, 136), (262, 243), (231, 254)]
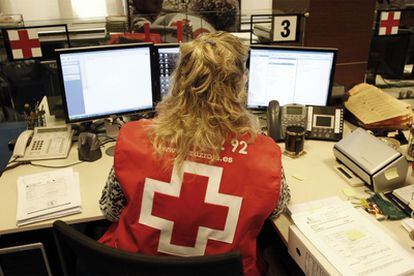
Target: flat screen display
[(290, 75), (167, 57), (294, 110), (103, 81), (388, 54), (324, 121)]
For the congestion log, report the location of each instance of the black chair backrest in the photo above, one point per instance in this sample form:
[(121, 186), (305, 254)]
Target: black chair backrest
[(81, 255)]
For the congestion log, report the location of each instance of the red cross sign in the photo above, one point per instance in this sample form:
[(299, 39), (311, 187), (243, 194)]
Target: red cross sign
[(24, 43), (389, 22), (190, 204), (189, 211), (195, 23)]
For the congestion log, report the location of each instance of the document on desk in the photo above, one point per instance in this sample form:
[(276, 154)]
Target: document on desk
[(373, 106), (352, 243), (47, 195)]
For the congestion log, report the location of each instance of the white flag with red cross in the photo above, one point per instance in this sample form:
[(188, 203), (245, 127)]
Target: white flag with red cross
[(24, 43), (389, 22)]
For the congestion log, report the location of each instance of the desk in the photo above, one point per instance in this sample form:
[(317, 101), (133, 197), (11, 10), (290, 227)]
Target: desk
[(315, 168), (321, 181), (92, 180)]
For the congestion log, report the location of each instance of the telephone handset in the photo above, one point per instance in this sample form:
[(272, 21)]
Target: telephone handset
[(320, 122), (273, 120), (44, 143), (21, 143), (280, 117)]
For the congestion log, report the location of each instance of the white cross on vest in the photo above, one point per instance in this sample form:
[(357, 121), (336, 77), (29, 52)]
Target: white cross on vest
[(225, 207)]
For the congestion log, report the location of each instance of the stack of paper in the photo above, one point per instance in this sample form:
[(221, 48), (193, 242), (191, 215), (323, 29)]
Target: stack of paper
[(376, 109), (408, 224), (47, 195), (406, 195), (349, 240)]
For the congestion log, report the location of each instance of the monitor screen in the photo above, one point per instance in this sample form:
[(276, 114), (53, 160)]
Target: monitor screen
[(166, 58), (105, 80), (290, 75), (388, 54)]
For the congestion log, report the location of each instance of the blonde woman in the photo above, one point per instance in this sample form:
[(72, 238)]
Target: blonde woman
[(198, 179)]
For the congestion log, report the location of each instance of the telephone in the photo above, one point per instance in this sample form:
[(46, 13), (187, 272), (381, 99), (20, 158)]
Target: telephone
[(325, 123), (278, 118), (320, 122), (45, 143)]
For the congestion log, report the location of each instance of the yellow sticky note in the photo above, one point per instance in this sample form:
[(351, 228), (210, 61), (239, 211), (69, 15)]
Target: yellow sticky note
[(392, 173), (354, 235), (349, 193)]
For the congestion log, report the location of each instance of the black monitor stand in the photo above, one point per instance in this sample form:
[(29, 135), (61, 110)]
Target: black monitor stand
[(112, 131), (94, 127), (110, 127)]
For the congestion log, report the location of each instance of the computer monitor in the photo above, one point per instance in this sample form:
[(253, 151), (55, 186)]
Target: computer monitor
[(289, 75), (166, 57), (102, 81), (388, 54)]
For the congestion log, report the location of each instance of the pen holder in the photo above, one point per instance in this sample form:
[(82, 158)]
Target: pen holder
[(34, 118)]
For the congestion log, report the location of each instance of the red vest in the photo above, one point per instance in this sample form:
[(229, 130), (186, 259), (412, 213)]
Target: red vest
[(203, 209)]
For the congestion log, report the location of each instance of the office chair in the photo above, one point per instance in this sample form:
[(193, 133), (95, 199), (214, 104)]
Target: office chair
[(82, 255)]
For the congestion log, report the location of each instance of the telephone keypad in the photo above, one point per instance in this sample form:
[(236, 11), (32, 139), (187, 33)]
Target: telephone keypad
[(37, 145)]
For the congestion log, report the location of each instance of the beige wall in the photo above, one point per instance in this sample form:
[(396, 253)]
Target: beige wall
[(256, 5), (31, 10)]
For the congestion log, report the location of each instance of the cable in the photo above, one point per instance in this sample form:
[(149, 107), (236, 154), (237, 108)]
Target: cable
[(16, 164), (11, 161), (55, 166), (122, 119), (107, 140), (387, 83)]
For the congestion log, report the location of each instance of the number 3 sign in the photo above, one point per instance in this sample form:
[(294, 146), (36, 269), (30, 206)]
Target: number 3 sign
[(285, 28)]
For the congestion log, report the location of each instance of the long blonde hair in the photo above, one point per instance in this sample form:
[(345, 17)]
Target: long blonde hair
[(206, 104)]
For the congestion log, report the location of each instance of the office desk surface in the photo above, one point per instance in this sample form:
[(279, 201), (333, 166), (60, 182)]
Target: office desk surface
[(313, 177), (310, 177), (92, 180)]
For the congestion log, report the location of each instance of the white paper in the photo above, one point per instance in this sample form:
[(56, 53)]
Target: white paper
[(313, 205), (59, 214), (405, 194), (408, 224), (47, 195), (370, 105), (351, 242)]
